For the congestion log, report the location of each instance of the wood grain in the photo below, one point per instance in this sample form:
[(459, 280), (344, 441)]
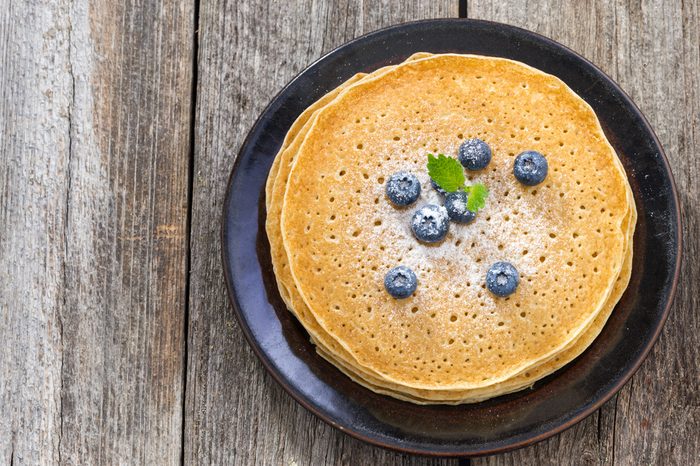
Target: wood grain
[(652, 49), (236, 413), (35, 98), (95, 117), (95, 140)]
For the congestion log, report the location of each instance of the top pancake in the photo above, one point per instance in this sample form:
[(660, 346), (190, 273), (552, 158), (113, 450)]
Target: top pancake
[(564, 236)]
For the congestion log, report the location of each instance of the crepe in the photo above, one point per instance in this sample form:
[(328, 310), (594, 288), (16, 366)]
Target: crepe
[(336, 351), (452, 334)]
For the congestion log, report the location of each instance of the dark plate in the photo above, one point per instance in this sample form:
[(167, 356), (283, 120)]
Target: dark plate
[(507, 422)]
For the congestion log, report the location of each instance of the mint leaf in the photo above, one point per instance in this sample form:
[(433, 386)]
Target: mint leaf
[(477, 195), (446, 172)]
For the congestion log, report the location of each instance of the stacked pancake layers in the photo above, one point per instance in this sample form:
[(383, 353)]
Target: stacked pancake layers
[(333, 234)]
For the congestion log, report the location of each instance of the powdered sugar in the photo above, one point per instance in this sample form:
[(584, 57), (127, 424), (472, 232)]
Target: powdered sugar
[(459, 204), (503, 230)]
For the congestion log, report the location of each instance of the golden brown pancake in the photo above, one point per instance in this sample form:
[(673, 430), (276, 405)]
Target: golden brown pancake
[(342, 235), (332, 350)]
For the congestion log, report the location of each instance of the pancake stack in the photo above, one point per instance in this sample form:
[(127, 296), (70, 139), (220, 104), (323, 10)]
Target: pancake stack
[(334, 235)]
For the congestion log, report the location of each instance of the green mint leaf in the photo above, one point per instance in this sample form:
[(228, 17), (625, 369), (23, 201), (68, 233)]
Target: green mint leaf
[(446, 172), (477, 195)]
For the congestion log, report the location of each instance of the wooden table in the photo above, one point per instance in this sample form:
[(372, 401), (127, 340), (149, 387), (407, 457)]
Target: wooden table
[(120, 122)]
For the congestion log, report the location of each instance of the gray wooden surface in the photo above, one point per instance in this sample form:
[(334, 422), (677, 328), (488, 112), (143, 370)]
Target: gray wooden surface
[(119, 124), (94, 159)]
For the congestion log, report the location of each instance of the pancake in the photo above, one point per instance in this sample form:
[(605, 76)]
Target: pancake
[(321, 349), (595, 258)]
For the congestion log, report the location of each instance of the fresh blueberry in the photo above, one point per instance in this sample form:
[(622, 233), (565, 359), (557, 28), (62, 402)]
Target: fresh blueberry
[(403, 188), (530, 168), (474, 154), (502, 279), (430, 223), (456, 206), (400, 282), (437, 188)]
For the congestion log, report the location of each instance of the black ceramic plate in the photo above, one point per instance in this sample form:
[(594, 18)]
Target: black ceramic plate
[(507, 422)]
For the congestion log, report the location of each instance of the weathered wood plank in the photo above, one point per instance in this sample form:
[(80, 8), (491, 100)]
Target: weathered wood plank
[(652, 49), (235, 413), (95, 112), (35, 97)]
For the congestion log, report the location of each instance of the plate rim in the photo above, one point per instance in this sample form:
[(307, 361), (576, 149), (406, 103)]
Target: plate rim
[(453, 453)]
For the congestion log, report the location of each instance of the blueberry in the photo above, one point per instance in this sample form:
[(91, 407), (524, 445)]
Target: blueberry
[(456, 206), (400, 282), (403, 188), (530, 168), (474, 154), (430, 223), (437, 188), (502, 279)]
